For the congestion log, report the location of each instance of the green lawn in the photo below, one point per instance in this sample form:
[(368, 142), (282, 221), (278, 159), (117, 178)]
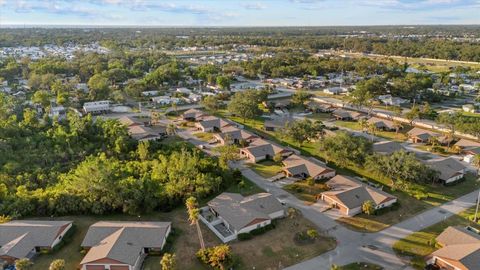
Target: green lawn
[(360, 266), (204, 136), (420, 244), (267, 168), (401, 136), (305, 192)]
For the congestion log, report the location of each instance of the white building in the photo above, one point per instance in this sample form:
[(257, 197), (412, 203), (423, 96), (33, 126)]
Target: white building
[(101, 106)]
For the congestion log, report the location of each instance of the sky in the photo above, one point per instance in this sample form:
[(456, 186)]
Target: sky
[(238, 12)]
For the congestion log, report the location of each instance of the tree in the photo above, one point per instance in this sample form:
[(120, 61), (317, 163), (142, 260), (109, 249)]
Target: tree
[(98, 86), (300, 97), (413, 114), (368, 207), (278, 157), (211, 103), (304, 130), (310, 182), (223, 82), (476, 163), (23, 264), (143, 150), (57, 265), (228, 153), (168, 262), (345, 149), (245, 104), (363, 124), (193, 212), (450, 120), (312, 233), (171, 129), (218, 257), (41, 97)]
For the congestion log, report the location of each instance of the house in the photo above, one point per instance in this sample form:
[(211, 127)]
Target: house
[(57, 111), (25, 238), (449, 169), (102, 106), (128, 121), (468, 148), (230, 214), (165, 100), (142, 133), (460, 249), (469, 108), (192, 115), (319, 107), (233, 135), (118, 245), (212, 123), (300, 167), (261, 149), (278, 123), (335, 90), (150, 93), (418, 135), (391, 101), (184, 91), (382, 124), (387, 147), (345, 115), (348, 195)]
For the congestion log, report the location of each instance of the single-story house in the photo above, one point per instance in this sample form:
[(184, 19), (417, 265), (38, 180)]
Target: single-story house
[(25, 238), (419, 135), (260, 149), (460, 249), (278, 123), (230, 134), (212, 123), (142, 133), (165, 100), (129, 121), (230, 214), (300, 167), (117, 245), (449, 169), (387, 147), (391, 101), (320, 107), (192, 115), (382, 123), (348, 195), (101, 106), (335, 90), (345, 115), (278, 104)]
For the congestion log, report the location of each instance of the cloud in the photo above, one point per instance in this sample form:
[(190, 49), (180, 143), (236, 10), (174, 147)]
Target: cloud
[(421, 5), (255, 6)]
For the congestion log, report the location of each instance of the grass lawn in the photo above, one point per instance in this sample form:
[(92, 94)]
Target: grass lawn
[(204, 136), (420, 244), (401, 136), (304, 191), (360, 266), (446, 151), (320, 116), (267, 168)]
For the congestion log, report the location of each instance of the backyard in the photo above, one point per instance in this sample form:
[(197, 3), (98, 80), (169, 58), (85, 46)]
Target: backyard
[(420, 244), (401, 136), (267, 168)]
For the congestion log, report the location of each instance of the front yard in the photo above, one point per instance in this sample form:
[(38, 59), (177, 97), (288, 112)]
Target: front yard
[(401, 136), (360, 266), (304, 191), (420, 244), (204, 136)]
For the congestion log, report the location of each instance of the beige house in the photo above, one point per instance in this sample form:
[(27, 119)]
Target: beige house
[(233, 135), (211, 124), (261, 149), (300, 167), (387, 147), (26, 238), (348, 195), (142, 133), (449, 169), (341, 114), (419, 135), (460, 249), (192, 115), (230, 214), (382, 124), (117, 245)]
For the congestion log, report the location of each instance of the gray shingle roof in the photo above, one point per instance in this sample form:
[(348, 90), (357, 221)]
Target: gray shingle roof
[(240, 211), (297, 165), (123, 241), (387, 147), (447, 167), (460, 245), (19, 237)]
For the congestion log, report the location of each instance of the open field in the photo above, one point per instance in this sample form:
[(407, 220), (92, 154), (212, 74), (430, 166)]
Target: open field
[(420, 244)]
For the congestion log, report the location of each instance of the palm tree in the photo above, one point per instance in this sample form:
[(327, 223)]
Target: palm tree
[(363, 124), (476, 162), (168, 261), (373, 129), (23, 264), (193, 212), (57, 265), (220, 256), (171, 129), (397, 125)]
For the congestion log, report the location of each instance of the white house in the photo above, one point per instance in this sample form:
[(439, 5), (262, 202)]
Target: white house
[(101, 106)]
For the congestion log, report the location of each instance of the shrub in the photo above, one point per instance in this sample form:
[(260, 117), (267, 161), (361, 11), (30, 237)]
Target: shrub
[(244, 236)]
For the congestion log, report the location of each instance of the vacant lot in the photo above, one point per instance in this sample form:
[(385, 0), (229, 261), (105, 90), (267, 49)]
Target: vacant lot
[(420, 244), (267, 168), (401, 136)]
